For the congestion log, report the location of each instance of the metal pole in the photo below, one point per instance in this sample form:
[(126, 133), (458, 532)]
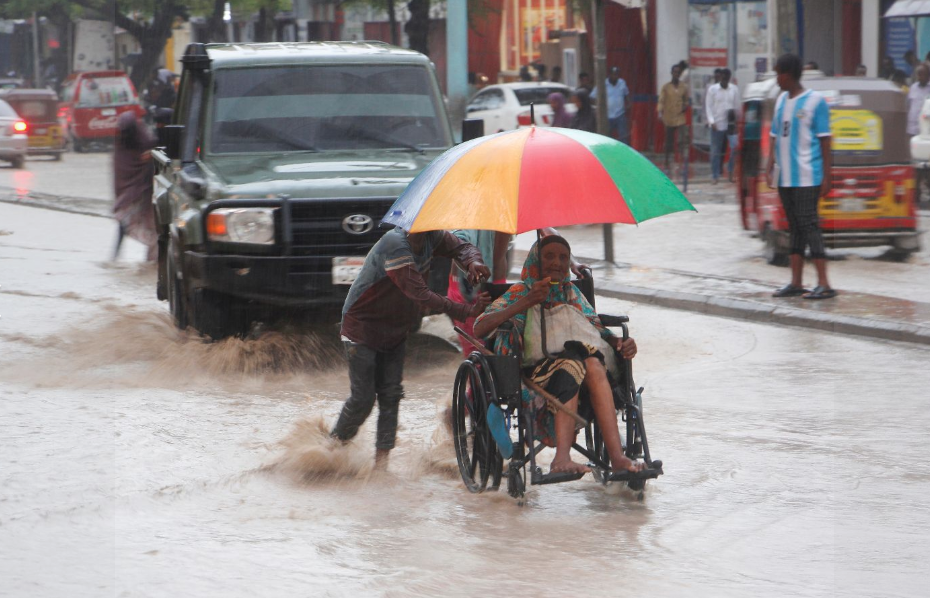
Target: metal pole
[(600, 77), (457, 59), (36, 67)]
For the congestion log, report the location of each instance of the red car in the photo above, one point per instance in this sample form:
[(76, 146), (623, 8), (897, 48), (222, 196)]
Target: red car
[(90, 104)]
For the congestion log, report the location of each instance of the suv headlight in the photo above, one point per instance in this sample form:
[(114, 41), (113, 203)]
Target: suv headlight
[(241, 225)]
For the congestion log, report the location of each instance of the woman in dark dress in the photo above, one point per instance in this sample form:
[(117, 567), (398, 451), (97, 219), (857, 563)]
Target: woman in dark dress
[(584, 118)]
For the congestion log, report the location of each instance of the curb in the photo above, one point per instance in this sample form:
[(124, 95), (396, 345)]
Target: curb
[(747, 309)]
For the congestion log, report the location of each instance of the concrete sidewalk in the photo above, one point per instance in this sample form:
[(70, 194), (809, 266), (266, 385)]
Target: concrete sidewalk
[(851, 312)]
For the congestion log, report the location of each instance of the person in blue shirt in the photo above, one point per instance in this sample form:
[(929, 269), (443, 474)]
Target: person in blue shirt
[(801, 149), (617, 94)]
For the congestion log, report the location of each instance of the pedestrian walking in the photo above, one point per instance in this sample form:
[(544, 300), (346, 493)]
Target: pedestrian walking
[(800, 167), (584, 118), (617, 94), (916, 96), (584, 82), (723, 107), (383, 305), (674, 100), (133, 174)]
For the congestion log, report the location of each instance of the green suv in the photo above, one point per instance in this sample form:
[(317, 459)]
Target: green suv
[(278, 166)]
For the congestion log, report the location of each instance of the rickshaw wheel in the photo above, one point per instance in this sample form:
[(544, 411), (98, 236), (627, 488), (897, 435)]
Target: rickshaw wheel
[(471, 436)]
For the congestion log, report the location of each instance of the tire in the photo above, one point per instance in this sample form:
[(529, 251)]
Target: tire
[(212, 314), (56, 157), (161, 285), (176, 291), (78, 146), (474, 447), (774, 255), (18, 162)]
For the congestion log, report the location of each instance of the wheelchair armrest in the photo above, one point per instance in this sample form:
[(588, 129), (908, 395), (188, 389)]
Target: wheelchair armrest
[(609, 321)]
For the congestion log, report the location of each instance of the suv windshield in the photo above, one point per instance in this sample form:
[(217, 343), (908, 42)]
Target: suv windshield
[(316, 108), (537, 95)]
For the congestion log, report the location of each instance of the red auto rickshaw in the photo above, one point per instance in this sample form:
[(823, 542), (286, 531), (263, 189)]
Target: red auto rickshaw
[(39, 109), (872, 199), (90, 104)]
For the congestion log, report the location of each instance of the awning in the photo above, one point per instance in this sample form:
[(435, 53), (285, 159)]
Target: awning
[(909, 8)]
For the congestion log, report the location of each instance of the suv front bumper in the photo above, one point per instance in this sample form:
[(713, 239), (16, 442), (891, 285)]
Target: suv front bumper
[(292, 281)]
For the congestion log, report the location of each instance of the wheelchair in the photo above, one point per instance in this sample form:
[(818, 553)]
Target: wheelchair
[(484, 380)]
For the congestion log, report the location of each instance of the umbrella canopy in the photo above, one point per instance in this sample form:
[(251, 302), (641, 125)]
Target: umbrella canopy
[(532, 178)]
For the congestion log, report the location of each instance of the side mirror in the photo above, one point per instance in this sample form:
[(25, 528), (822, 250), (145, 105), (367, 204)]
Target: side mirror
[(169, 137), (472, 128)]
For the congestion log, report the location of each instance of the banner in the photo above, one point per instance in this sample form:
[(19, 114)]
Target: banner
[(709, 40)]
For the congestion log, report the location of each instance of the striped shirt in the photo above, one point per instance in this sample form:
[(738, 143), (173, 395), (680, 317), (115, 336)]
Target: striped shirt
[(798, 125)]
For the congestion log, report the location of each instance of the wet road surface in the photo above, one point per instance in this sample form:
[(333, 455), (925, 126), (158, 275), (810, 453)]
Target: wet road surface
[(139, 461)]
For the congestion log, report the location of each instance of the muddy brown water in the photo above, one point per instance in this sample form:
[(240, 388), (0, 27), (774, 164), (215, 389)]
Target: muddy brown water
[(140, 461)]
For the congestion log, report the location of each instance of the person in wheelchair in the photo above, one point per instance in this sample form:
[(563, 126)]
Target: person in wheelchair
[(582, 375)]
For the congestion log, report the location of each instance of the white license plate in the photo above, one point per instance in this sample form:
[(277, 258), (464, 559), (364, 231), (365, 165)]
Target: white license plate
[(108, 111), (346, 269), (852, 204), (41, 131)]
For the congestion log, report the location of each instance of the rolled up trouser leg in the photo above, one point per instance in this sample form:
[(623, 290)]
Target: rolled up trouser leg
[(362, 380), (801, 209), (390, 389)]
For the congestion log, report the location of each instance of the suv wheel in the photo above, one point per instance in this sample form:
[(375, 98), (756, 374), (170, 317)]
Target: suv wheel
[(212, 314), (177, 298), (18, 162)]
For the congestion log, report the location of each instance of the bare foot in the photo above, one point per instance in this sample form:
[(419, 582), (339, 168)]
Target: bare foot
[(567, 466), (625, 464)]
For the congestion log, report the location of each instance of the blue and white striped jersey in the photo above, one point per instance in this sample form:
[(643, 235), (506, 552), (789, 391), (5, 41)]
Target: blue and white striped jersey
[(797, 127)]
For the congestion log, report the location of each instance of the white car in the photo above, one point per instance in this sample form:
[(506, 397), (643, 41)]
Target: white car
[(14, 141), (506, 106), (920, 143)]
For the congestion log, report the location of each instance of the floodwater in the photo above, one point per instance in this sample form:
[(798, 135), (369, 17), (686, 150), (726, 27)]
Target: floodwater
[(142, 462), (139, 461)]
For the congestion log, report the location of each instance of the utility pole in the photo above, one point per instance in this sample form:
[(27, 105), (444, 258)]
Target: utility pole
[(36, 67), (600, 78), (457, 59)]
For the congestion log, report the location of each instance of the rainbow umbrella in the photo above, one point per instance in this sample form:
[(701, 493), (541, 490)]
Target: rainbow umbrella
[(532, 178)]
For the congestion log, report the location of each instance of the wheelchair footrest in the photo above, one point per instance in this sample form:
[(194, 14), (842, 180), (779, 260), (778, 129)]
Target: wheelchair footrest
[(626, 476), (555, 478)]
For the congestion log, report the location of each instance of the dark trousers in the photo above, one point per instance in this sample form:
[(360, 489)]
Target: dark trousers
[(800, 205), (372, 375)]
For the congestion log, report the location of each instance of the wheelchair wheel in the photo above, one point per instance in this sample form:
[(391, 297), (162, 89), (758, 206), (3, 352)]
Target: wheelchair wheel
[(474, 447)]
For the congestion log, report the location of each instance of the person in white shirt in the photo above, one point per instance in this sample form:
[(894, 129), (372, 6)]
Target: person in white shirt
[(723, 108), (916, 95), (617, 94)]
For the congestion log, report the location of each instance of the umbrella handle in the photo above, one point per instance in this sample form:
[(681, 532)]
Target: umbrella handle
[(542, 309), (533, 122)]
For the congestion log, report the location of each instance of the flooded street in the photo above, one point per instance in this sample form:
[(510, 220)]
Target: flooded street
[(140, 461)]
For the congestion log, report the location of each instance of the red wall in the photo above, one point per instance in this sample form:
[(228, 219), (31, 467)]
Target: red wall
[(484, 40), (852, 36), (632, 49)]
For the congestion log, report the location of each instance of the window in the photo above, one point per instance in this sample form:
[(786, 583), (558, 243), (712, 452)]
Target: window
[(6, 111), (490, 99), (326, 108), (105, 91), (37, 110), (538, 95)]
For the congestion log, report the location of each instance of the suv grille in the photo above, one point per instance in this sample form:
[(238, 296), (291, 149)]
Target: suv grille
[(316, 226)]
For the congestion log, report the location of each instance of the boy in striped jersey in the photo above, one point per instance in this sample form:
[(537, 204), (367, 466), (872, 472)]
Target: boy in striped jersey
[(801, 149)]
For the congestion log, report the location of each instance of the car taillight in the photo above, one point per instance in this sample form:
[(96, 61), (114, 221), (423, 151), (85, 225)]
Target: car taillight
[(524, 119), (20, 126)]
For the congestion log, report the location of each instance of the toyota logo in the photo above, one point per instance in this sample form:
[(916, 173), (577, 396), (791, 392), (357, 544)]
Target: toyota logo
[(357, 224)]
